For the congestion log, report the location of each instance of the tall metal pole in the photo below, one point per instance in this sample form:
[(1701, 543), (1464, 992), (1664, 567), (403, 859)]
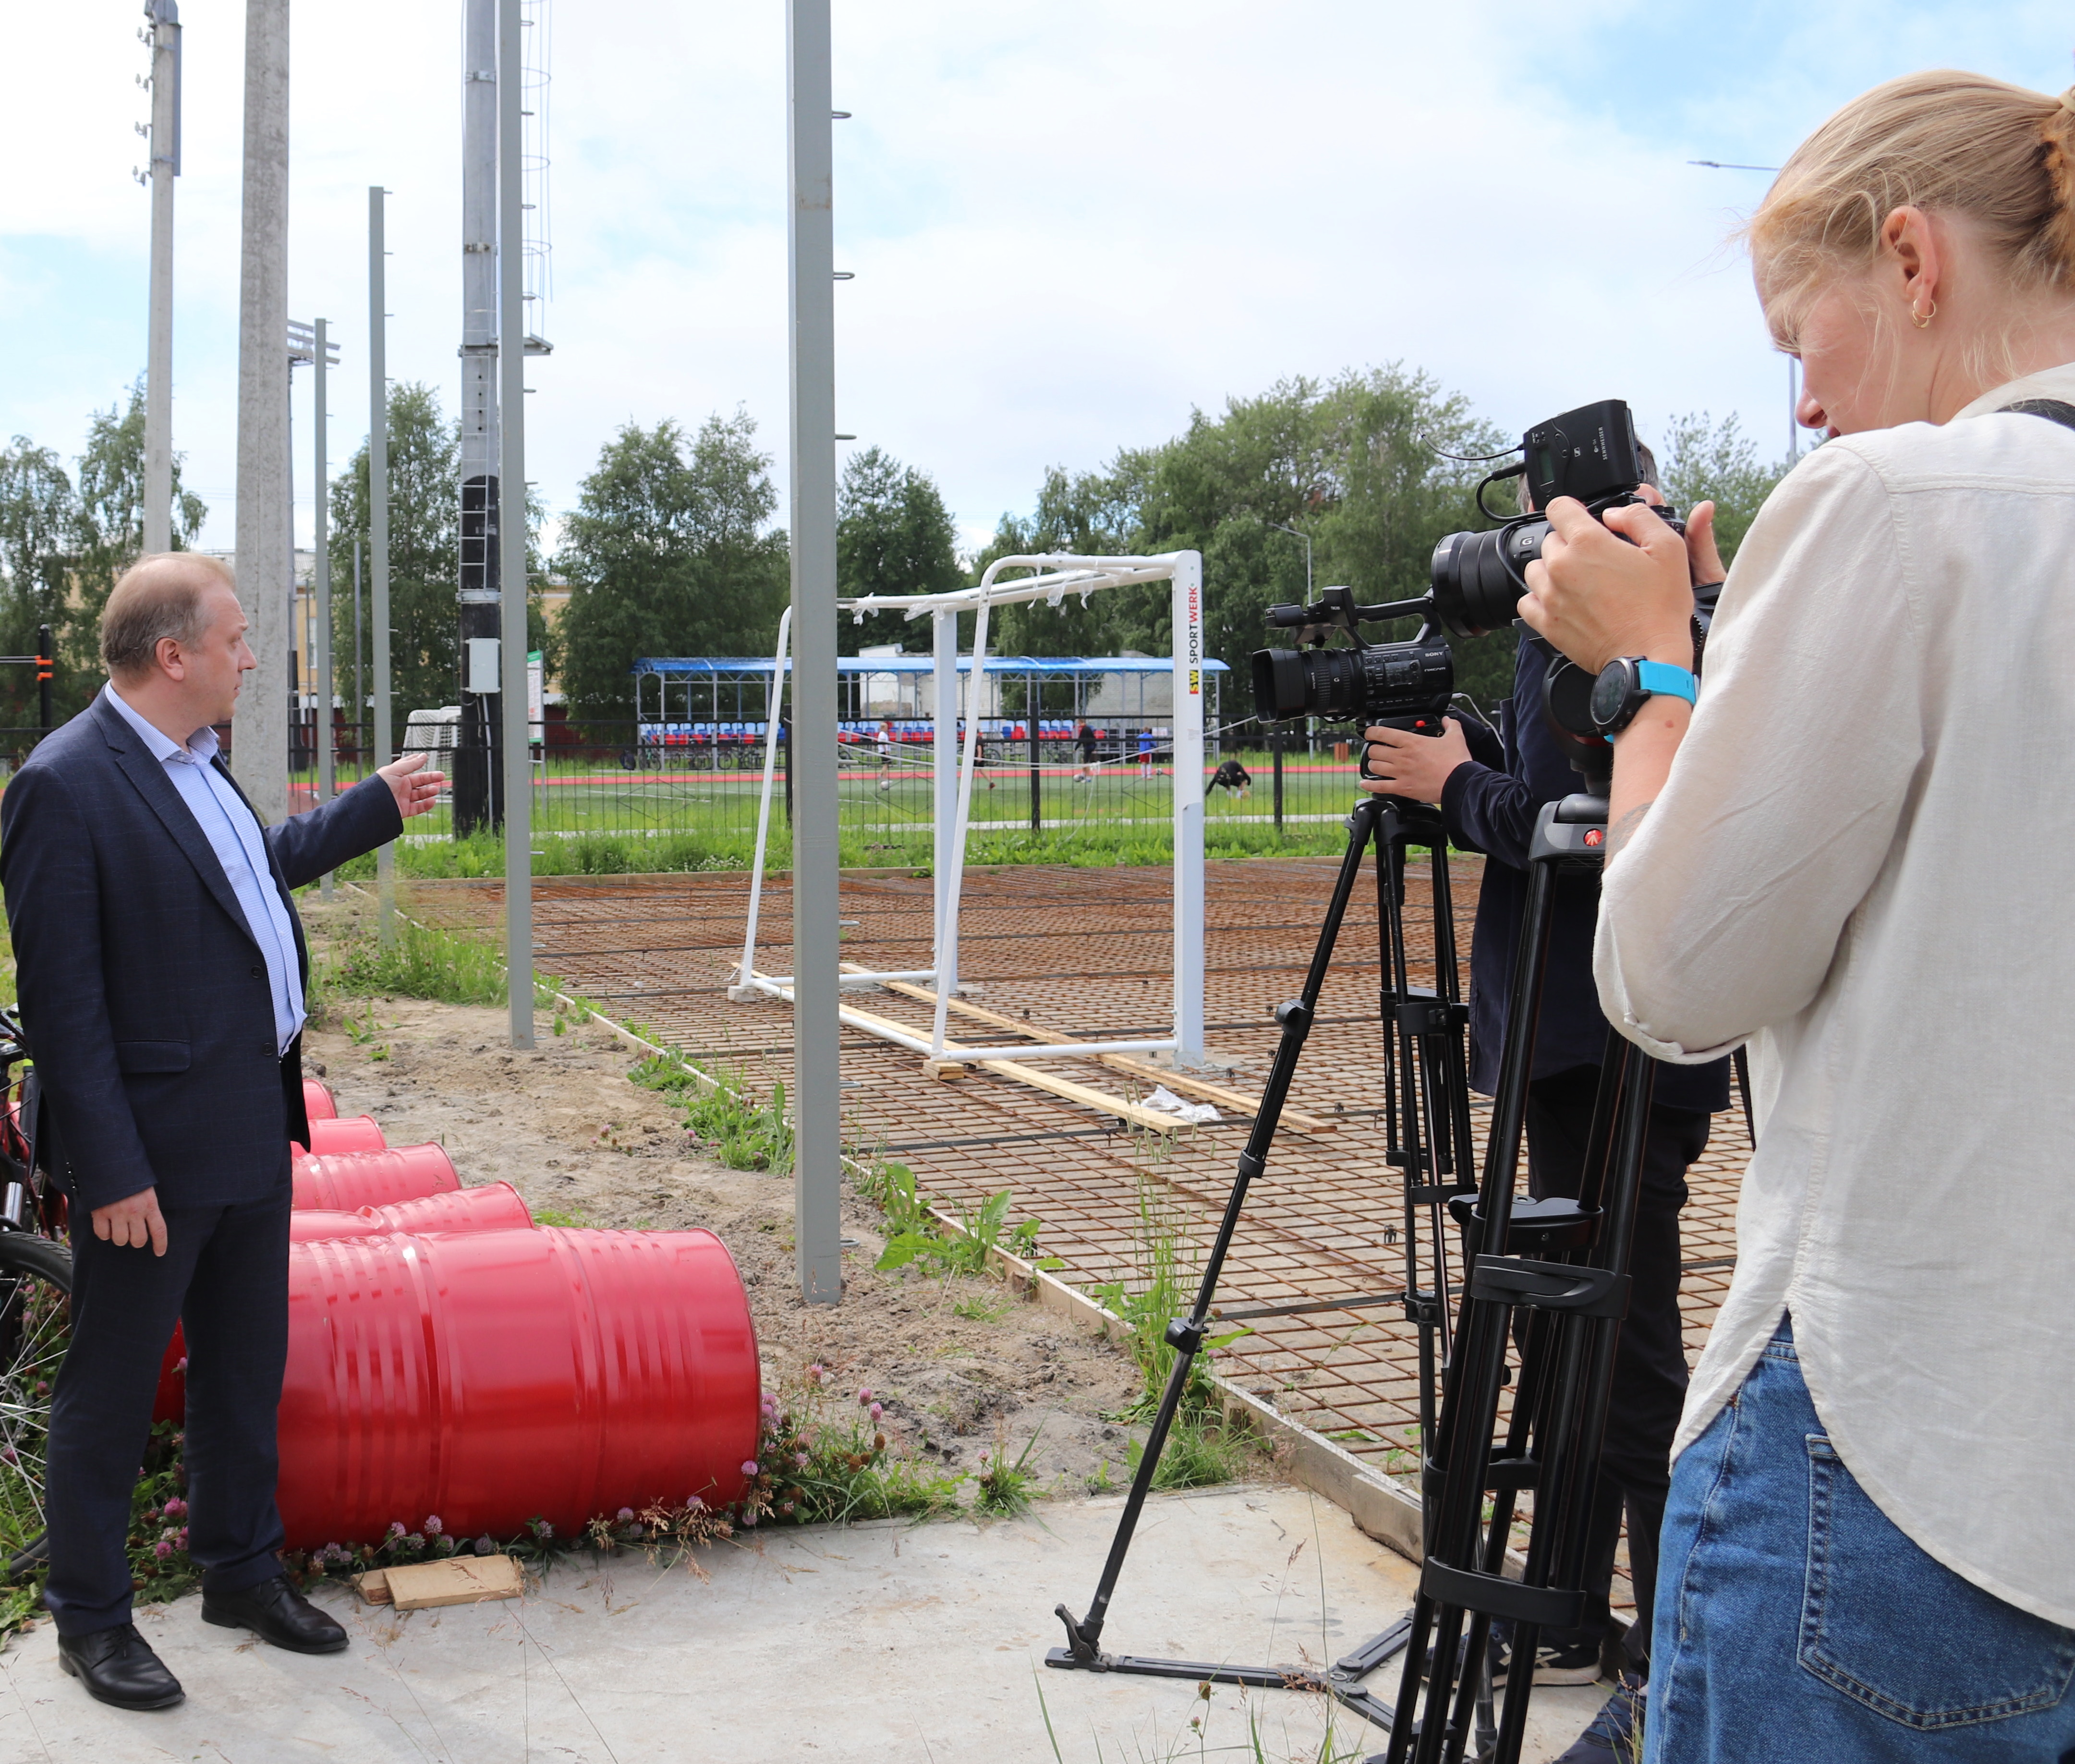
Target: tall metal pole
[(511, 477), (476, 783), (377, 529), (816, 1140), (165, 17), (320, 648), (359, 680), (265, 558)]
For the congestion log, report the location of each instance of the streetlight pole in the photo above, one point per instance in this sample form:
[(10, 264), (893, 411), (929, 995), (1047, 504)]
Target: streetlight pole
[(1295, 534), (517, 744), (165, 17), (378, 529)]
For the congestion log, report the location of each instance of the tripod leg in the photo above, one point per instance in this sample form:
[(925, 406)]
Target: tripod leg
[(1186, 1334)]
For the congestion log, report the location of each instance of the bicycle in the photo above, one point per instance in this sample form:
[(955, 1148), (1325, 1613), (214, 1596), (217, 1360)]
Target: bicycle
[(35, 1291)]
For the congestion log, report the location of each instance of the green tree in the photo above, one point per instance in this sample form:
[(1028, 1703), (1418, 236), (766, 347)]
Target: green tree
[(1355, 464), (1702, 459), (894, 537), (108, 535), (38, 518), (668, 554), (425, 553)]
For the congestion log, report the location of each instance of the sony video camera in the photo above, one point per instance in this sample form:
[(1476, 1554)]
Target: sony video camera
[(1477, 580)]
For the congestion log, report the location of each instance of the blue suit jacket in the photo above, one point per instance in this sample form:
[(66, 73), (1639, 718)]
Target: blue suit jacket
[(143, 993)]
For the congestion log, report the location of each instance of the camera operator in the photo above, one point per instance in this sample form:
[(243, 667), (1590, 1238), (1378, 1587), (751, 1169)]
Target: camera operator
[(1490, 790), (1855, 850)]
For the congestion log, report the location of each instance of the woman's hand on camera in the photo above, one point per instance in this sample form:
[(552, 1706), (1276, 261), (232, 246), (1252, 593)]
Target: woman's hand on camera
[(1622, 589), (1411, 765)]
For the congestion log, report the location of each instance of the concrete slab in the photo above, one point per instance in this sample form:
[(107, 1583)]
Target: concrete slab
[(884, 1641)]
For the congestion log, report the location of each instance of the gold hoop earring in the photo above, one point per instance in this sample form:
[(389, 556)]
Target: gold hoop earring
[(1922, 320)]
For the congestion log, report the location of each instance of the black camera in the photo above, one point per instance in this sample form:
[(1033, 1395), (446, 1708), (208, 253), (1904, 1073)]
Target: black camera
[(1476, 582)]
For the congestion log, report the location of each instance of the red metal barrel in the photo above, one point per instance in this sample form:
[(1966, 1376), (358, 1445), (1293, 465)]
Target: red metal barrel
[(492, 1206), (317, 1102), (352, 1180), (351, 1133), (493, 1377)]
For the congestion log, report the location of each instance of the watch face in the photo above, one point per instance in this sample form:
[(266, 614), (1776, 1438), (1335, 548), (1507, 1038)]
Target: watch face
[(1610, 692)]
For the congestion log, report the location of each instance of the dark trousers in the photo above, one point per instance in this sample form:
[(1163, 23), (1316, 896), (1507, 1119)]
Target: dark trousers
[(225, 1277), (1649, 1387)]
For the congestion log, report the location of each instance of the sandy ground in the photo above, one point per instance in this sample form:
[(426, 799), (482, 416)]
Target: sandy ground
[(563, 1125)]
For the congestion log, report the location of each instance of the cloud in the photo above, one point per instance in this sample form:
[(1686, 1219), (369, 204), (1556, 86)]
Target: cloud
[(1071, 223)]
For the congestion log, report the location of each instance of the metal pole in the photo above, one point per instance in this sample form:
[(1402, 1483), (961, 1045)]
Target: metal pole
[(1032, 696), (511, 534), (264, 561), (159, 373), (359, 676), (944, 795), (1188, 752), (475, 780), (44, 663), (320, 647), (817, 1169), (377, 529)]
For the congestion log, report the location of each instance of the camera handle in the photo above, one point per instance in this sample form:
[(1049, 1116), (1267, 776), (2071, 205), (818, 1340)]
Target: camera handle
[(1428, 1137)]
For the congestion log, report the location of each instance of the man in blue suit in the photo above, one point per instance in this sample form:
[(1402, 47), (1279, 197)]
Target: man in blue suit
[(161, 969)]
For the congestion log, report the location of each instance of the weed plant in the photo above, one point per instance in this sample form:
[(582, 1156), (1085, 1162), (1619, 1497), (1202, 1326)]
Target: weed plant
[(725, 1117), (821, 1458), (1003, 1487), (1202, 1448)]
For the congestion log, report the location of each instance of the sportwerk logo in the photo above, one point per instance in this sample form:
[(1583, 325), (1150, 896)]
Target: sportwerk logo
[(1195, 638)]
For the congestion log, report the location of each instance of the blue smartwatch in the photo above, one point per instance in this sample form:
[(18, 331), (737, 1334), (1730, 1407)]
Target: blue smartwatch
[(1628, 681)]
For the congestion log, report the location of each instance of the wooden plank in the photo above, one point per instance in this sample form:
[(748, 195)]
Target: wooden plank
[(1186, 1082), (456, 1579), (373, 1586)]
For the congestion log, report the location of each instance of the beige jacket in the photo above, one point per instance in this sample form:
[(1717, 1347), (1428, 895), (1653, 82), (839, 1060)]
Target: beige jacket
[(1864, 861)]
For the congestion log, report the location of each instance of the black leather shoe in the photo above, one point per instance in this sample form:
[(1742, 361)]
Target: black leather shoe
[(276, 1613), (118, 1666)]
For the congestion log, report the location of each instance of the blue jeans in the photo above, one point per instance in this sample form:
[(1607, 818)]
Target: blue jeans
[(1795, 1622)]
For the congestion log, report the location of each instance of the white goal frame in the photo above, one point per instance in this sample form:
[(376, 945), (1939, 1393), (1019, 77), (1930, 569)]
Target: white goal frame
[(1058, 574)]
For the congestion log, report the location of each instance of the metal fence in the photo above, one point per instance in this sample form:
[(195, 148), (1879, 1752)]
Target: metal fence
[(647, 779)]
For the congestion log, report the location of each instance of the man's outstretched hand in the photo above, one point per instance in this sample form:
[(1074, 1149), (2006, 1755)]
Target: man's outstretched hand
[(415, 789), (132, 1222)]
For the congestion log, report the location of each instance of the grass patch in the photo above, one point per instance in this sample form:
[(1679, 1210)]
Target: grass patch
[(1004, 1489), (727, 1119), (1202, 1446), (420, 962), (822, 1457)]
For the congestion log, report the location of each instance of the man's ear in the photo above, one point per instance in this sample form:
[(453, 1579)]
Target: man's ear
[(168, 656)]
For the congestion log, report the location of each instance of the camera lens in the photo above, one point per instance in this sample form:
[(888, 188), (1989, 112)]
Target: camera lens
[(1476, 577)]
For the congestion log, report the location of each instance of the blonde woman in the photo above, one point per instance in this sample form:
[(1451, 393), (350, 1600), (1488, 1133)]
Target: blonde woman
[(1856, 849)]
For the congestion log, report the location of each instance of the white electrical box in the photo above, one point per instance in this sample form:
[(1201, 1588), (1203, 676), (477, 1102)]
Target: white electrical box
[(482, 665)]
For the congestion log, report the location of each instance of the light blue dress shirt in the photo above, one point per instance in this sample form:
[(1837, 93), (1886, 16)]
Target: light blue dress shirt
[(234, 835)]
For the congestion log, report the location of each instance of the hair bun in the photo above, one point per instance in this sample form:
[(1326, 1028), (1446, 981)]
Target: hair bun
[(2058, 233)]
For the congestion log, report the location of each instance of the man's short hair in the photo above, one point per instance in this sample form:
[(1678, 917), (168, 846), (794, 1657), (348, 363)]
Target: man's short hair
[(160, 595)]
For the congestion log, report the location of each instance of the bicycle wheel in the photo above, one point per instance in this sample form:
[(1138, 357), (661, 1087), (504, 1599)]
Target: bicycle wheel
[(35, 1290)]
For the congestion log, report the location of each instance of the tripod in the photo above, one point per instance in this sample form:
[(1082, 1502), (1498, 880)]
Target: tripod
[(1428, 1138), (1565, 1313)]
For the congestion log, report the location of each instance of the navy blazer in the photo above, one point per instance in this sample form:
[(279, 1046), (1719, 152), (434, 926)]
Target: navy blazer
[(1492, 807), (143, 992)]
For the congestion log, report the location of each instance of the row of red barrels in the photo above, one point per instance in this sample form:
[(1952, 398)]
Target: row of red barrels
[(448, 1358)]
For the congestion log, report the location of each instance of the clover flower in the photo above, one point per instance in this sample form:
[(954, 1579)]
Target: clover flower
[(865, 1399), (625, 1516), (432, 1526), (162, 1549), (877, 1410), (750, 1468)]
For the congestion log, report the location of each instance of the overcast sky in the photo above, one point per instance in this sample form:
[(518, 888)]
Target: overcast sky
[(1071, 223)]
